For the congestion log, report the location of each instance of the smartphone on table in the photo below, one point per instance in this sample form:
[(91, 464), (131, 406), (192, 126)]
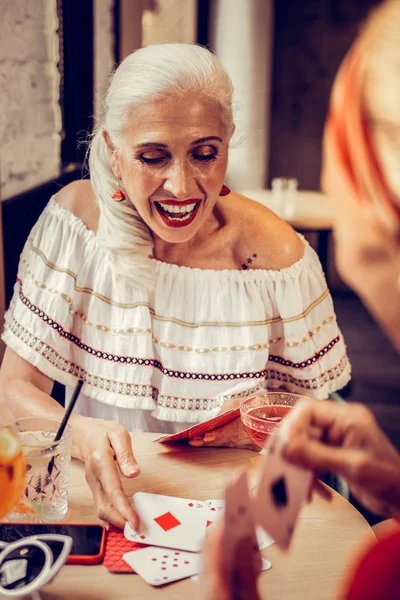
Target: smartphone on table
[(88, 541)]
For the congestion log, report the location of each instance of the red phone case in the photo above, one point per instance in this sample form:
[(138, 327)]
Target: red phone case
[(116, 546), (88, 559)]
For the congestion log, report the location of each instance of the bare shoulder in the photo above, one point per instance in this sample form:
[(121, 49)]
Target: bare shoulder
[(263, 237), (78, 197)]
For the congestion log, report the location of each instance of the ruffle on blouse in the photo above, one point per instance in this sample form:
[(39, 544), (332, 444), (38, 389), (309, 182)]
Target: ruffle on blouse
[(203, 337)]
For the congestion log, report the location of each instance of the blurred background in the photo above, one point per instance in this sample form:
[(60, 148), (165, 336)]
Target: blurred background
[(55, 60)]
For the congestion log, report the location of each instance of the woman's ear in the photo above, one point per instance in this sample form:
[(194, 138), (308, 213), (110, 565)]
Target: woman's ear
[(112, 154)]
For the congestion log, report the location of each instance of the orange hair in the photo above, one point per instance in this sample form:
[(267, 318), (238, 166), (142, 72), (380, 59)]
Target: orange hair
[(350, 142)]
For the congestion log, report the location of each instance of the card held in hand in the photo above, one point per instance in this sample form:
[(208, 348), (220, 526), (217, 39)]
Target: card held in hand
[(201, 428), (283, 489), (238, 525), (169, 522), (215, 511)]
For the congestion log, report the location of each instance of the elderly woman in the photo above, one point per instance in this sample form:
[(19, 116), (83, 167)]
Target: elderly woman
[(361, 175), (170, 296)]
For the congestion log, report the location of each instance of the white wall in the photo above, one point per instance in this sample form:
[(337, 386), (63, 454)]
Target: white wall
[(241, 34), (169, 21), (104, 40), (30, 118)]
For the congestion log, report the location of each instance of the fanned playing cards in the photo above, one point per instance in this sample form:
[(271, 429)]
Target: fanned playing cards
[(201, 428), (173, 533)]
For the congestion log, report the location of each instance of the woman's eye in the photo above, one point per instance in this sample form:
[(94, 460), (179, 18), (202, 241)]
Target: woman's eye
[(152, 158), (206, 153)]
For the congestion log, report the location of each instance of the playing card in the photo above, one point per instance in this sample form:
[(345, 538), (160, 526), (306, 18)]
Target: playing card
[(282, 490), (201, 428), (159, 566), (169, 522), (215, 510), (238, 524)]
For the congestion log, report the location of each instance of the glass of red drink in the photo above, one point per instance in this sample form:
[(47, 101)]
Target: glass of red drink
[(262, 413)]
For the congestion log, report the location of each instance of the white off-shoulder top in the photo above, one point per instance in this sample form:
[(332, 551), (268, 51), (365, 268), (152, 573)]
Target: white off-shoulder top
[(162, 360)]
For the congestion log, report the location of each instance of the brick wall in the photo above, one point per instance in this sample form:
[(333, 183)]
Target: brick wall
[(30, 118)]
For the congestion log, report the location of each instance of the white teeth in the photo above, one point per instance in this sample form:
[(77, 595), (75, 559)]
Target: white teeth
[(177, 209)]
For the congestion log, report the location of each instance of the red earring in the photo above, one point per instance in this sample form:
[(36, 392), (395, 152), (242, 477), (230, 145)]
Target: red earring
[(224, 190), (118, 195)]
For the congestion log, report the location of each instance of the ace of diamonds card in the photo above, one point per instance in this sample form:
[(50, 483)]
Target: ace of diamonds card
[(169, 522)]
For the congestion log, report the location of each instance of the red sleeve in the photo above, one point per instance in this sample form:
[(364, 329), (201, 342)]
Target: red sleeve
[(377, 574)]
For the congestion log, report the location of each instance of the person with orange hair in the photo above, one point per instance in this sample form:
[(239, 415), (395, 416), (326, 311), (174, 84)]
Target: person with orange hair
[(361, 175)]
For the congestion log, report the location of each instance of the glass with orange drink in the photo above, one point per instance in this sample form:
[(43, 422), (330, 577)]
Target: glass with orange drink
[(12, 462)]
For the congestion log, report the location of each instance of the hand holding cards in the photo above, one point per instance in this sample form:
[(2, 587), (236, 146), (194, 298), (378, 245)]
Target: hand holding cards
[(201, 428), (283, 489)]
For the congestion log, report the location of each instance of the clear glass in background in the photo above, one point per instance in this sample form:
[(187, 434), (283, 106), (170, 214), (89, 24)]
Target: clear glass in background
[(284, 195), (45, 499), (12, 461), (262, 414)]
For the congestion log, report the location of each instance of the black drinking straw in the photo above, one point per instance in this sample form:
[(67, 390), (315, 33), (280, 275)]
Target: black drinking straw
[(65, 420), (69, 410)]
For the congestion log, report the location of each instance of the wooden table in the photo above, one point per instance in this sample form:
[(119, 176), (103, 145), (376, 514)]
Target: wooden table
[(326, 536), (313, 213)]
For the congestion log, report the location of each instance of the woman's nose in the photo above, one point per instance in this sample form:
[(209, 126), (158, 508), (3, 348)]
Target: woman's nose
[(178, 181)]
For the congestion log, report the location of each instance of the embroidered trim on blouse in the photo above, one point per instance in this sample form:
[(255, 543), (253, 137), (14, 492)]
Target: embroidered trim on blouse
[(252, 348), (204, 403), (172, 319), (148, 391), (119, 387), (79, 314), (157, 364), (309, 361), (313, 383), (170, 345), (133, 360)]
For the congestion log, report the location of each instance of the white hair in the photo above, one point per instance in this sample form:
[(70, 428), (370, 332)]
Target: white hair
[(146, 74)]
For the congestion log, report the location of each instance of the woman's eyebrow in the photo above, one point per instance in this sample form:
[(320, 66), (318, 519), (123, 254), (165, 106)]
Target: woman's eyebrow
[(147, 144), (209, 138), (202, 140)]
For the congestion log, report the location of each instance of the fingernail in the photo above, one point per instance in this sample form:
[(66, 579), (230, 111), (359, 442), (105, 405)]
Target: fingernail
[(133, 527), (132, 470), (209, 437), (197, 441)]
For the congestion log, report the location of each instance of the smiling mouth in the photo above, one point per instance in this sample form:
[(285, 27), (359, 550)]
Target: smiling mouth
[(178, 214)]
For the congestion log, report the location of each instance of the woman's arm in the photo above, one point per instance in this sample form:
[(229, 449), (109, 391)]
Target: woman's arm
[(27, 390), (104, 446)]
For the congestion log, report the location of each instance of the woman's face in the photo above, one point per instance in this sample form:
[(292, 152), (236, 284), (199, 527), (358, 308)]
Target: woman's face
[(172, 162)]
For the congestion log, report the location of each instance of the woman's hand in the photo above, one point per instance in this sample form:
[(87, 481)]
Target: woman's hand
[(105, 446), (231, 435), (215, 584), (345, 439)]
